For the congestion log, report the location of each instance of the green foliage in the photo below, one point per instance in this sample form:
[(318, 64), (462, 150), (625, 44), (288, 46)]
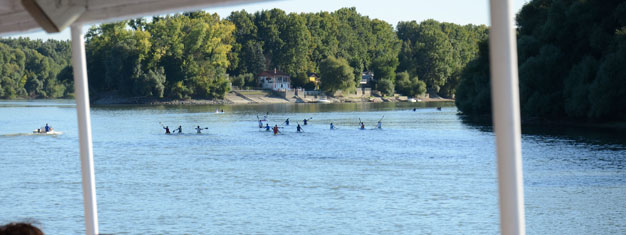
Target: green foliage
[(180, 91), (438, 52), (30, 68), (385, 86), (238, 81), (409, 86), (336, 74), (188, 55), (180, 56), (473, 95), (300, 80), (244, 81), (298, 43), (151, 84), (571, 62)]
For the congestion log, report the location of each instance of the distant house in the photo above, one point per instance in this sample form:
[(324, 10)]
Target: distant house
[(274, 80), (314, 78), (366, 77)]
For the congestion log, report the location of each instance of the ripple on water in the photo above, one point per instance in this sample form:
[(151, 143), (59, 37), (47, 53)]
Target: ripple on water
[(426, 172)]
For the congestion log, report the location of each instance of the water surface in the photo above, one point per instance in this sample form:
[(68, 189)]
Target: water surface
[(425, 172)]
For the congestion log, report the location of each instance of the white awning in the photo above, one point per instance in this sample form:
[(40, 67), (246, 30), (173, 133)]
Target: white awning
[(15, 17)]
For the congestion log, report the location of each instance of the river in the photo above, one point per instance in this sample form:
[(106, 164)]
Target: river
[(424, 172)]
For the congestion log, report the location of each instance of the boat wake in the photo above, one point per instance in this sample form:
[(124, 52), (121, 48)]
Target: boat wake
[(51, 133)]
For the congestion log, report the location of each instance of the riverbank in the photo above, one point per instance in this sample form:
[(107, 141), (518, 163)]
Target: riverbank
[(254, 97), (110, 100)]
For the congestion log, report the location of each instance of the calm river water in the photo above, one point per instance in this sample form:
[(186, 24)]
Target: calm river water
[(425, 172)]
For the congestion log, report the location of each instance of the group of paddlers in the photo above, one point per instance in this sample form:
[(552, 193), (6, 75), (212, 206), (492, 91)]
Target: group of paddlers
[(299, 129), (276, 128), (179, 130)]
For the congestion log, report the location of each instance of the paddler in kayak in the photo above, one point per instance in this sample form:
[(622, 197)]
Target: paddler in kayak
[(260, 123), (362, 126), (167, 129), (287, 122), (298, 128), (179, 129), (267, 127), (199, 129), (332, 127), (276, 130)]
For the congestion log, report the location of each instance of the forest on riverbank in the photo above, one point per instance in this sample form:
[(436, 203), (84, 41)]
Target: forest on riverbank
[(35, 69), (572, 63), (197, 55)]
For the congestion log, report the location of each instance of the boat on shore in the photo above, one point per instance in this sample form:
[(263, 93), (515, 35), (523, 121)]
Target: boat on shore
[(324, 101)]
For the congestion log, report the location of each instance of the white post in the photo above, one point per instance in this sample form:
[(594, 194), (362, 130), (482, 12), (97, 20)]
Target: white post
[(84, 130), (506, 116)]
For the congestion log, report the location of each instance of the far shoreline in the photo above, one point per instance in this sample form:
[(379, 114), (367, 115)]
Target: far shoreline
[(241, 97), (156, 102)]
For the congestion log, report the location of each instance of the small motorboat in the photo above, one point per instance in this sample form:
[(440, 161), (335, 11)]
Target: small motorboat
[(412, 100), (324, 101), (42, 131)]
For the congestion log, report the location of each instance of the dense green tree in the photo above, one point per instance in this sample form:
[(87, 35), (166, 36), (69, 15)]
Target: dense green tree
[(473, 95), (189, 55), (438, 52), (268, 25), (30, 68), (243, 81), (293, 57), (409, 86), (385, 86), (179, 56), (247, 52), (323, 27), (251, 59), (385, 47), (336, 74), (571, 56)]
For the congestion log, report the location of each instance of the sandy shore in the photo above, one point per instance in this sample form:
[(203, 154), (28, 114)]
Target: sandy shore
[(252, 97)]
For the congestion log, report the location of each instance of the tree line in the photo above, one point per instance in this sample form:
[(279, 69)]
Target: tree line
[(34, 68), (408, 60), (571, 56), (197, 55)]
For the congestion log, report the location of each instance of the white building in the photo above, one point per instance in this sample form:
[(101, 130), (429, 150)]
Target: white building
[(274, 80)]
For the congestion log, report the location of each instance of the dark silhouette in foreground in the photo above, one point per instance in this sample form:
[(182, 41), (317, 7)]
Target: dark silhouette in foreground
[(19, 229)]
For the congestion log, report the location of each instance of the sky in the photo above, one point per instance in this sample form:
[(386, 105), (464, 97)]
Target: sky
[(454, 11)]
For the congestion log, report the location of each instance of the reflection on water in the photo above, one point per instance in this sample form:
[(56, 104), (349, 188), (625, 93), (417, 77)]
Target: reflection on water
[(607, 138), (574, 178), (425, 172)]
